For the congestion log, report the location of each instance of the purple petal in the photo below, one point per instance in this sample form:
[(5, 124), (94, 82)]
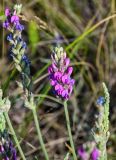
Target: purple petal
[(58, 75), (65, 93), (82, 153), (14, 154), (64, 55), (70, 89), (6, 24), (57, 86), (6, 158), (60, 90), (1, 148), (19, 26), (54, 67), (50, 69), (72, 82), (14, 19), (95, 154), (65, 79), (52, 82), (7, 12), (70, 70), (67, 61)]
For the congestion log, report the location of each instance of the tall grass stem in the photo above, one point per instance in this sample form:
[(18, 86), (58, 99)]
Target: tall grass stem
[(39, 133), (69, 130)]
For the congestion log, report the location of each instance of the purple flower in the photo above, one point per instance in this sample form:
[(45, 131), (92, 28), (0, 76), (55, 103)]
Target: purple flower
[(95, 154), (6, 24), (19, 26), (60, 74), (13, 150), (82, 153), (12, 20), (7, 12)]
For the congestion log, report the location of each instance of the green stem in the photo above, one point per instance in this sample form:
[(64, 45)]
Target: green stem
[(39, 133), (14, 135), (102, 147), (69, 130)]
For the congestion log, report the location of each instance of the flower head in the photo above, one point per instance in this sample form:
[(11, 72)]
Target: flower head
[(18, 45), (60, 74), (12, 20)]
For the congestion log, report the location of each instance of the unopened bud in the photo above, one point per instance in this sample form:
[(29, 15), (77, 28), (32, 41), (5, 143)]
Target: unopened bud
[(18, 7)]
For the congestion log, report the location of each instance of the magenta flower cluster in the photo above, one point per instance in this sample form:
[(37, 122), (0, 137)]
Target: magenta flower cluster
[(12, 20), (84, 155), (60, 74)]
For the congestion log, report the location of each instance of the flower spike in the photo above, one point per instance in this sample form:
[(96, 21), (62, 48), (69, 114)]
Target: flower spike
[(60, 74)]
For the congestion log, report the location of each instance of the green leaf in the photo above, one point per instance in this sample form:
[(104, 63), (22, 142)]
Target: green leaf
[(2, 16), (33, 35)]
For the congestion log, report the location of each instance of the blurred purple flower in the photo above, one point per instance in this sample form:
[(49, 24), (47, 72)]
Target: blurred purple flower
[(82, 153), (86, 155), (95, 154), (7, 12), (19, 26), (12, 19), (6, 24), (59, 73)]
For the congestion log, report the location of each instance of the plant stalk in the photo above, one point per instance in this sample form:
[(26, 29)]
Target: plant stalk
[(39, 133), (69, 130)]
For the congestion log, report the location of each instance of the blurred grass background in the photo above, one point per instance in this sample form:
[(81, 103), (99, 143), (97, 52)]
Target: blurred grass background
[(87, 30)]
